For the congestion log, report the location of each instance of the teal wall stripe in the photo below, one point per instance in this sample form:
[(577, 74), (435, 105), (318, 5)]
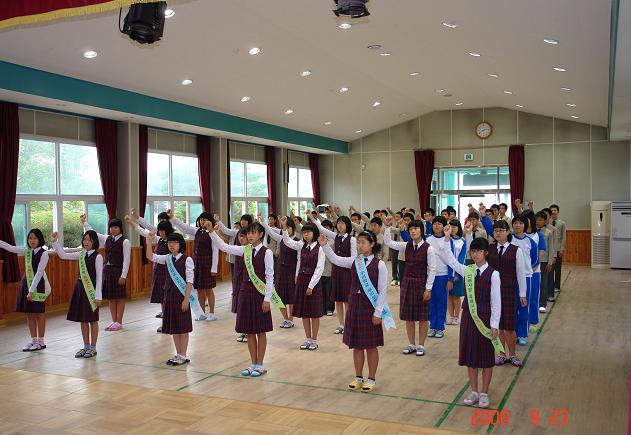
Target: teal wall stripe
[(32, 81)]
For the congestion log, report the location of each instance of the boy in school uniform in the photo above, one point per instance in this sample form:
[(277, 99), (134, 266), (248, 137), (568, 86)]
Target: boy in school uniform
[(503, 208), (560, 235), (428, 217), (325, 279), (438, 302), (548, 259), (393, 253)]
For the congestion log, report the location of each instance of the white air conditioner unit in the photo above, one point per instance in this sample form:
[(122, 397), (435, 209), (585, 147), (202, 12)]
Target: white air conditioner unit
[(601, 233)]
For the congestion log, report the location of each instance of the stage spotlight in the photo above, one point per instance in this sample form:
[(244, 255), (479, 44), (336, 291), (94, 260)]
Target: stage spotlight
[(144, 22), (352, 8)]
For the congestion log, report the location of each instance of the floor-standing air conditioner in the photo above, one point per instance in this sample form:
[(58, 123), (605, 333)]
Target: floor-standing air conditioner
[(621, 235), (601, 232)]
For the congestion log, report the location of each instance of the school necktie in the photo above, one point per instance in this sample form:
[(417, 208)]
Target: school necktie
[(415, 248), (554, 223), (253, 252), (501, 252), (366, 260), (477, 274), (308, 249)]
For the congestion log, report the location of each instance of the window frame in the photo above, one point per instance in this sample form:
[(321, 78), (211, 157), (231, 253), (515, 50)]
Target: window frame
[(245, 198), (57, 198), (298, 198)]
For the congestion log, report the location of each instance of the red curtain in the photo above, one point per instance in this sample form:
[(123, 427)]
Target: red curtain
[(270, 159), (9, 152), (203, 163), (424, 164), (143, 149), (105, 134), (516, 173), (315, 177)]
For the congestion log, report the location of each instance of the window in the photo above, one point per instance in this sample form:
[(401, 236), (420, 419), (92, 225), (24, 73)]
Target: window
[(248, 189), (57, 182), (173, 183), (460, 187), (300, 191)]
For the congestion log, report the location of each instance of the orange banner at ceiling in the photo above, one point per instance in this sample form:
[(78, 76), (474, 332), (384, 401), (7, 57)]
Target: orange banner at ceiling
[(19, 12)]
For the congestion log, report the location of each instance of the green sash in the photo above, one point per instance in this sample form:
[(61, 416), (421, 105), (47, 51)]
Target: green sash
[(30, 275), (469, 280), (258, 284), (88, 286)]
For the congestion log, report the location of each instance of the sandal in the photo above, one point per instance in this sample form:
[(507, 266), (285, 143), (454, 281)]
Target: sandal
[(89, 353), (313, 345), (439, 334), (159, 315), (409, 350), (431, 333), (242, 338), (172, 361), (356, 385), (159, 329), (338, 330), (258, 372), (368, 387), (80, 354), (500, 360), (248, 371), (516, 361)]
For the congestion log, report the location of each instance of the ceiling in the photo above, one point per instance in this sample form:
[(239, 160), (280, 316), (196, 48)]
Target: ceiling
[(208, 42)]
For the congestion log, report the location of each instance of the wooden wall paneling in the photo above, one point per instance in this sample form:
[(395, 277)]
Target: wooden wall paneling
[(578, 247)]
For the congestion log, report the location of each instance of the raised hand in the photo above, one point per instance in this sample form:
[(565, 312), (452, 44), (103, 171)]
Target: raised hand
[(482, 209), (447, 231), (283, 221), (83, 218), (128, 219), (134, 213), (468, 227), (151, 236), (470, 207), (170, 213), (531, 205), (260, 216), (217, 217), (389, 220), (322, 240), (53, 236), (209, 226)]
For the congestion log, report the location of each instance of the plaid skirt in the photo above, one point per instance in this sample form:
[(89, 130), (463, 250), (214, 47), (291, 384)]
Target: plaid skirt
[(412, 306), (340, 284), (509, 308), (359, 332), (174, 320), (23, 305), (203, 275), (157, 282), (286, 285), (476, 351), (80, 309), (111, 289), (308, 306), (250, 316)]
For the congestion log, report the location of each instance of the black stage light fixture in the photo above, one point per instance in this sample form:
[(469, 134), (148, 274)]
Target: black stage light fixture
[(144, 22), (353, 8)]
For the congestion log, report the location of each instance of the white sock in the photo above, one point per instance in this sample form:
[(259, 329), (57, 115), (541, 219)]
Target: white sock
[(359, 379), (371, 381)]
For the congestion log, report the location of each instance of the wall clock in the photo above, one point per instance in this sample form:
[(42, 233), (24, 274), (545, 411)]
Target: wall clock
[(483, 130)]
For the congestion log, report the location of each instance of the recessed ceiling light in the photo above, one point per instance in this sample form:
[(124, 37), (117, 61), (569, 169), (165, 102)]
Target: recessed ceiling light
[(385, 54), (169, 13), (289, 112), (358, 131), (450, 24), (460, 103), (570, 104), (345, 26), (574, 116), (90, 54), (415, 73), (440, 91), (559, 69), (344, 89), (566, 89), (374, 46), (244, 99), (494, 75), (186, 82), (447, 95), (305, 73), (508, 92), (519, 106), (328, 123), (376, 104), (254, 50), (471, 53), (551, 41)]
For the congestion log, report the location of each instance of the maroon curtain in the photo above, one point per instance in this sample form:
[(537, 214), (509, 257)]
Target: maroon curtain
[(105, 134), (315, 177), (9, 152), (203, 163), (270, 159), (516, 172), (424, 164), (143, 149)]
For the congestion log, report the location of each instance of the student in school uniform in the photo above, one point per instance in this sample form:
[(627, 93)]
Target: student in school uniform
[(87, 294), (286, 276), (367, 302), (237, 276), (417, 284), (550, 269), (205, 258), (503, 208), (438, 302), (117, 259), (159, 272), (309, 300), (394, 254), (455, 285), (325, 279), (547, 261), (33, 286), (232, 241), (533, 232), (376, 226), (473, 229), (345, 246), (495, 212), (178, 285), (254, 317), (476, 350), (560, 235), (429, 216), (509, 260), (445, 213), (272, 244), (231, 233)]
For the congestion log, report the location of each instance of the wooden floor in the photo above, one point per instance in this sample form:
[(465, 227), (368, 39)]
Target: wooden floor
[(579, 362)]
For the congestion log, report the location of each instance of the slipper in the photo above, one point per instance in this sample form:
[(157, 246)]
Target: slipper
[(367, 387), (338, 330), (248, 371), (355, 385), (515, 361), (500, 360), (257, 372)]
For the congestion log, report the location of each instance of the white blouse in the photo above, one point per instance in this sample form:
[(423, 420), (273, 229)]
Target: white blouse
[(332, 235), (192, 231), (142, 221), (297, 245), (190, 265), (126, 248), (431, 256), (43, 261), (145, 233), (98, 264)]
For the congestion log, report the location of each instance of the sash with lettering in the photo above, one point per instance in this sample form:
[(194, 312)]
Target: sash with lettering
[(258, 283), (371, 292), (30, 275), (88, 286), (180, 283), (469, 280)]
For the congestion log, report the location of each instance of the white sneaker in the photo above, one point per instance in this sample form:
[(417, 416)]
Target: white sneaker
[(394, 282), (211, 317), (398, 283), (483, 402), (450, 321), (557, 290), (542, 310), (456, 321), (201, 317), (472, 399)]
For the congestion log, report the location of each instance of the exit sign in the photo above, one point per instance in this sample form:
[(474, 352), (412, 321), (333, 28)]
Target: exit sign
[(468, 157)]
